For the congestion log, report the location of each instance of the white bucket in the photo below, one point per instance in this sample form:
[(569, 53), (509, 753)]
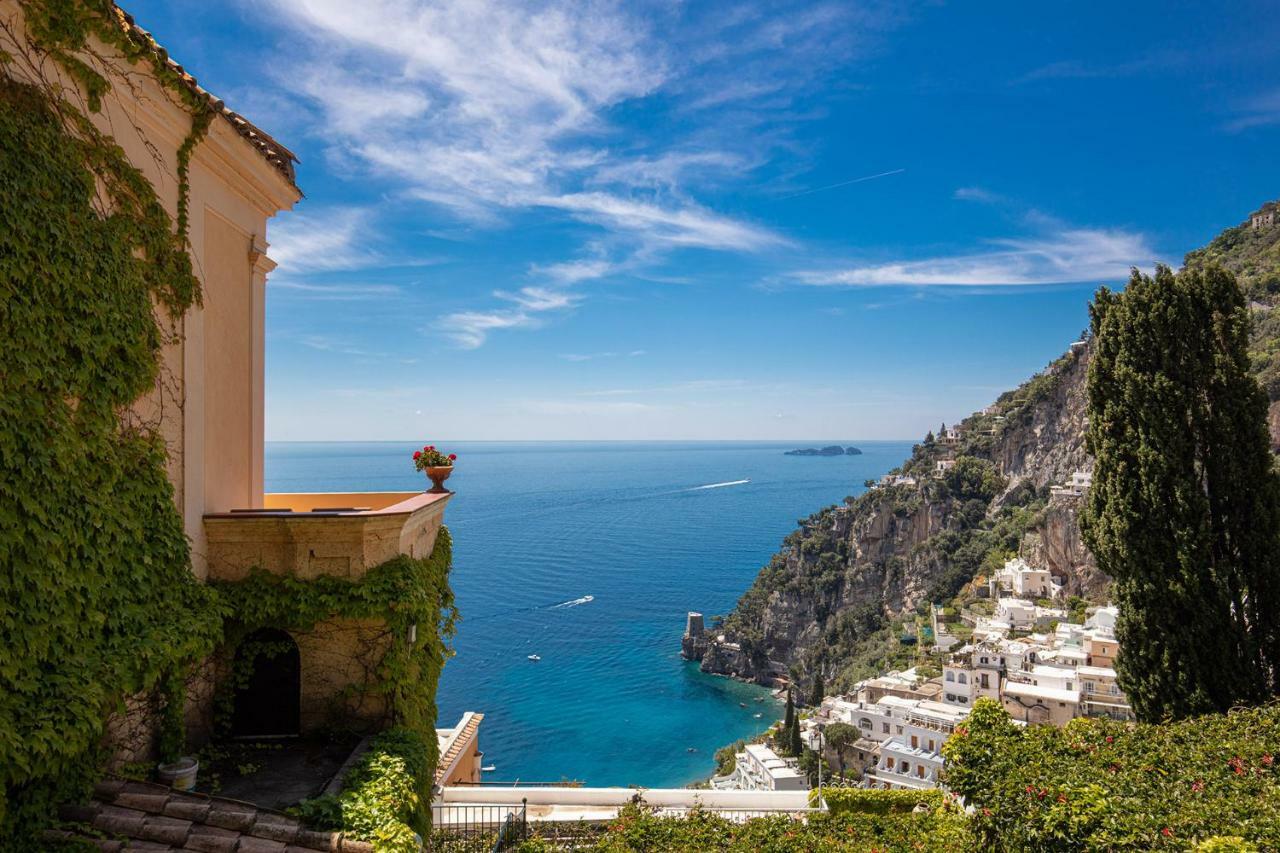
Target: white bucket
[(181, 774)]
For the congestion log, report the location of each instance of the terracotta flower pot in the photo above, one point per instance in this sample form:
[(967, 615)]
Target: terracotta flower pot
[(438, 474)]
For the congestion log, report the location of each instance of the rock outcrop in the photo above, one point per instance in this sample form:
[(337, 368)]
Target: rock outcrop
[(849, 571)]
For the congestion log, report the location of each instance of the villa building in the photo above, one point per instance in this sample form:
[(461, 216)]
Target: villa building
[(1023, 581), (759, 768), (210, 407), (901, 738), (1076, 487)]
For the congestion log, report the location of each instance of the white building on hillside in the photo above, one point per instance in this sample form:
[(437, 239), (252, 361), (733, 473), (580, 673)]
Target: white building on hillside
[(1023, 581), (759, 768)]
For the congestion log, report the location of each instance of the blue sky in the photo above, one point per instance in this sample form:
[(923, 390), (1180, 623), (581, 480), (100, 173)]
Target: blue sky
[(718, 220)]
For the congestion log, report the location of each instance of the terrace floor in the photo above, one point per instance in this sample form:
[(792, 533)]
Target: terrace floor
[(273, 774)]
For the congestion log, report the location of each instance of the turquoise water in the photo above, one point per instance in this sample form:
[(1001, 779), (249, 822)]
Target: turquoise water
[(642, 528)]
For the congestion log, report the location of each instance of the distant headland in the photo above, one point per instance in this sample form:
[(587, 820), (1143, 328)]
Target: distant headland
[(832, 450)]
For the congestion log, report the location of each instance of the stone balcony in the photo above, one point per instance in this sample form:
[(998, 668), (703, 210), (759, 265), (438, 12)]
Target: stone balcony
[(340, 534)]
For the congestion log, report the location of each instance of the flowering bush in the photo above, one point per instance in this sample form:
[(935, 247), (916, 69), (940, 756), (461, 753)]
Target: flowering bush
[(429, 457), (1207, 782)]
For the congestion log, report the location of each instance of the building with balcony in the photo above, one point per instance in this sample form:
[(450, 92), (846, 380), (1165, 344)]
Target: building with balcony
[(759, 768)]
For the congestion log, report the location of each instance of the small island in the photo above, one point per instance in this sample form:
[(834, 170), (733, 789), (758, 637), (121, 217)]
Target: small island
[(832, 450)]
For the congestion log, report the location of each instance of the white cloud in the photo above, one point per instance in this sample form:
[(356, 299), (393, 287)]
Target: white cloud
[(587, 356), (573, 272), (335, 239), (1066, 255), (492, 108), (681, 226), (978, 194), (1259, 111), (334, 292), (470, 329)]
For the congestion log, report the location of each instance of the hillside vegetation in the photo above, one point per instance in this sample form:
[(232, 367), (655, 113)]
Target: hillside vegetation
[(845, 594)]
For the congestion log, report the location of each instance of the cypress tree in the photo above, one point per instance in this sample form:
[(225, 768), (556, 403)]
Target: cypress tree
[(1183, 510), (796, 745), (819, 691), (790, 714)]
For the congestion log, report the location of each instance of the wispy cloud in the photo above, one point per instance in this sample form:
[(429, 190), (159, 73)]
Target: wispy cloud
[(593, 356), (335, 239), (335, 292), (1063, 256), (1076, 69), (980, 195), (678, 226), (576, 271), (1259, 111), (470, 329), (491, 109)]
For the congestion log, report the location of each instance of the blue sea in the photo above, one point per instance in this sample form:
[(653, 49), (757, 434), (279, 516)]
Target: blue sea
[(589, 554)]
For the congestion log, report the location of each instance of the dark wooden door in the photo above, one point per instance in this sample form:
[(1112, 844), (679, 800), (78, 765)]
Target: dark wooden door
[(268, 702)]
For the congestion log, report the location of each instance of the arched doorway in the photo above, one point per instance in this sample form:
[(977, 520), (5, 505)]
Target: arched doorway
[(268, 700)]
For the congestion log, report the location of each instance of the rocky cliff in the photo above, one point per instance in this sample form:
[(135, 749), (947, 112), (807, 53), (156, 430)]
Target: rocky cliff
[(965, 500)]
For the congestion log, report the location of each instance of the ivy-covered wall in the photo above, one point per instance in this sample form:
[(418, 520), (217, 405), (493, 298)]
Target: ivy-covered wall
[(97, 601), (99, 609), (407, 603)]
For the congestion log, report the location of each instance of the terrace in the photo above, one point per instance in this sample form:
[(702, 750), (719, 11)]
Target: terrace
[(307, 535)]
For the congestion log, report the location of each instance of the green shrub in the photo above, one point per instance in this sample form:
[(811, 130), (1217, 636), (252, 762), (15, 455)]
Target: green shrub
[(877, 801), (1103, 785), (386, 797), (637, 829)]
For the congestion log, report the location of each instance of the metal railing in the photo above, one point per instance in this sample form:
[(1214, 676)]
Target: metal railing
[(477, 828), (466, 828)]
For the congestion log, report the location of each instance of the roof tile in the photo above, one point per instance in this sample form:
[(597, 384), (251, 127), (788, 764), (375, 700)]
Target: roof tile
[(281, 158)]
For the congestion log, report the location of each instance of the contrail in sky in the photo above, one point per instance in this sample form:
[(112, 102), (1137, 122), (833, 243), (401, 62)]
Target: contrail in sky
[(842, 184)]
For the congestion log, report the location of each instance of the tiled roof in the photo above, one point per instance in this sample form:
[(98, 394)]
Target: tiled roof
[(273, 152), (459, 742), (141, 816)]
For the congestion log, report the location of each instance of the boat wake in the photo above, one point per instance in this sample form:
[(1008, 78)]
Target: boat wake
[(574, 603), (718, 485)]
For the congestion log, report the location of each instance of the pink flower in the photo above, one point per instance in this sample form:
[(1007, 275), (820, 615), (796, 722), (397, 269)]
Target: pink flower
[(417, 454), (453, 456), (1167, 832)]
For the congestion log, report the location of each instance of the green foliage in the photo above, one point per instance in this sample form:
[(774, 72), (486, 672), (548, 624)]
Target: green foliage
[(1098, 785), (973, 479), (638, 829), (402, 592), (819, 691), (727, 757), (1184, 511), (97, 600), (877, 801), (386, 798), (795, 745), (1252, 254)]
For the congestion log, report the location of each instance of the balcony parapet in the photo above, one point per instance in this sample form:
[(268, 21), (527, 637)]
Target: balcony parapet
[(309, 535)]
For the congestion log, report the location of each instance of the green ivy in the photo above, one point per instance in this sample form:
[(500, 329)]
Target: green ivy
[(97, 600), (402, 592)]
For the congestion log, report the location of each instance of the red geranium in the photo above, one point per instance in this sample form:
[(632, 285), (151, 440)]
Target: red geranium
[(429, 457)]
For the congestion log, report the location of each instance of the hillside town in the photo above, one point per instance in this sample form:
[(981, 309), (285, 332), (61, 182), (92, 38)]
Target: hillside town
[(1028, 656)]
